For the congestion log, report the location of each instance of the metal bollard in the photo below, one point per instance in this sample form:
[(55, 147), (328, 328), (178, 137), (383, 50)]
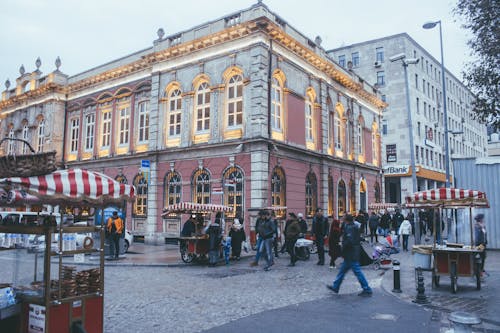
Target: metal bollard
[(462, 321), (397, 280), (421, 298)]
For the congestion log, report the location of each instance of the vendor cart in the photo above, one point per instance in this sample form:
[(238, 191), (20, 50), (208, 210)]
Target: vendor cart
[(194, 247), (55, 291), (452, 259)]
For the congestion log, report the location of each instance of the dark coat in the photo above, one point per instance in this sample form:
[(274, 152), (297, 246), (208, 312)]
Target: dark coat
[(214, 236), (320, 226), (237, 236), (373, 221), (352, 250), (334, 249), (188, 229), (293, 230), (303, 225)]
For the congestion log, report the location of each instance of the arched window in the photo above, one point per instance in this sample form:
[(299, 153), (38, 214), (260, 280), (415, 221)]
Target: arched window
[(201, 187), (352, 196), (89, 131), (360, 142), (140, 207), (173, 188), (40, 136), (338, 132), (311, 194), (309, 119), (341, 198), (278, 188), (143, 125), (234, 101), (233, 189), (202, 108), (11, 146), (174, 113), (276, 105), (25, 137), (362, 195)]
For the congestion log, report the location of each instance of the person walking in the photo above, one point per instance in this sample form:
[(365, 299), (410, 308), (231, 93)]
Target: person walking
[(259, 245), (334, 249), (213, 230), (114, 226), (351, 250), (373, 223), (267, 230), (292, 233), (480, 238), (320, 231), (405, 231), (385, 223), (237, 234)]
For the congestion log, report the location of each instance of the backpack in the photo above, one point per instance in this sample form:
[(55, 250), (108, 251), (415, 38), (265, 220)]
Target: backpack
[(265, 229)]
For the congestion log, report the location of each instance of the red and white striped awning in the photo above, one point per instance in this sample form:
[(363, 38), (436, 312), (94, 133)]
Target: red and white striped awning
[(193, 207), (64, 187), (447, 197)]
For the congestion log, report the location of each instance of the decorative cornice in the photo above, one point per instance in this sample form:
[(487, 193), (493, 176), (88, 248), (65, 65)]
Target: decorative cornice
[(42, 90)]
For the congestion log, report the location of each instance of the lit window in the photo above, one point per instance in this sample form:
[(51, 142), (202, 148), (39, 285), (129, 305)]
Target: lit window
[(202, 108), (235, 101), (124, 125), (201, 187), (106, 129), (89, 131), (309, 121), (341, 199), (338, 132), (174, 113), (233, 190), (311, 194), (278, 189), (74, 134), (276, 105), (173, 188), (40, 136), (360, 141), (375, 145), (141, 197), (143, 121)]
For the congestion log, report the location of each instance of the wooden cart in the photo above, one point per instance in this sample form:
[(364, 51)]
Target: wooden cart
[(453, 260), (194, 247)]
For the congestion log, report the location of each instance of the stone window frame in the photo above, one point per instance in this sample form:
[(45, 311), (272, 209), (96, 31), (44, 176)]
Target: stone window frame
[(234, 117), (311, 194), (40, 142), (278, 187), (202, 103), (90, 122), (201, 186), (174, 109), (140, 205), (143, 121), (341, 198), (106, 124), (173, 187), (233, 187), (74, 134)]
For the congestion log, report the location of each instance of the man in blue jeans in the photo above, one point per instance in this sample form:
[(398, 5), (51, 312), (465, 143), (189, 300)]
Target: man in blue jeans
[(351, 251)]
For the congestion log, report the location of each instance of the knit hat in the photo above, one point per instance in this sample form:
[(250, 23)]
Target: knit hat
[(479, 217), (300, 215)]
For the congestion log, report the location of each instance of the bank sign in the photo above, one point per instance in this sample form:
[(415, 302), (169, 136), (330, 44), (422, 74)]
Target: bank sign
[(396, 170)]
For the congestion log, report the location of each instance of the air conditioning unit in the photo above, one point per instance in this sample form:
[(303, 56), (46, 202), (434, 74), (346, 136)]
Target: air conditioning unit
[(377, 64)]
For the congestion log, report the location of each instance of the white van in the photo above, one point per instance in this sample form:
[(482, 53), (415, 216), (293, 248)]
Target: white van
[(15, 217)]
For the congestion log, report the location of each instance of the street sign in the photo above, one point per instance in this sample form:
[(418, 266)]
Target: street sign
[(145, 164)]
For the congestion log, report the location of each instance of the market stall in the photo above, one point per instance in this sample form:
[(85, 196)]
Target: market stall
[(452, 259), (195, 245), (54, 293)]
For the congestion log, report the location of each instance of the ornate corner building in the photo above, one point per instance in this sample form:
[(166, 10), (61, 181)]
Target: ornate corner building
[(244, 110)]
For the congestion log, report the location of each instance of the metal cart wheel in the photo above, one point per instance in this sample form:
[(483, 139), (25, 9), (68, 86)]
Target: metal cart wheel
[(187, 257), (453, 277)]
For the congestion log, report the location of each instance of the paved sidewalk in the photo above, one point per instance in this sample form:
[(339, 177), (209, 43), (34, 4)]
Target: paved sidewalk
[(484, 303)]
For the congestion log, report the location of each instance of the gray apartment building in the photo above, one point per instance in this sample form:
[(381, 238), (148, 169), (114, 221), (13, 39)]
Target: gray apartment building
[(467, 136)]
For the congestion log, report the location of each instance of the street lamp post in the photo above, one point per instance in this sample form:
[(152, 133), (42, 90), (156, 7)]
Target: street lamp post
[(431, 25), (405, 62)]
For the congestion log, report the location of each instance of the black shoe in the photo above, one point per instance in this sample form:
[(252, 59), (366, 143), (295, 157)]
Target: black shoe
[(291, 264), (321, 263), (332, 289), (267, 268), (365, 293)]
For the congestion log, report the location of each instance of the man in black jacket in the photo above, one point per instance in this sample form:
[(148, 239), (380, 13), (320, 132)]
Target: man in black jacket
[(351, 251), (320, 231)]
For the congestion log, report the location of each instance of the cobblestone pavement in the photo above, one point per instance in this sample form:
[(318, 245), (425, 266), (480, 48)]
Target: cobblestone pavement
[(194, 298)]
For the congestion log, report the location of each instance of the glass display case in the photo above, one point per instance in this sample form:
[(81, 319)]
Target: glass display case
[(52, 278)]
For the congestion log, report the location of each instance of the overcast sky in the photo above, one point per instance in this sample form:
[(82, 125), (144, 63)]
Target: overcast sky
[(88, 33)]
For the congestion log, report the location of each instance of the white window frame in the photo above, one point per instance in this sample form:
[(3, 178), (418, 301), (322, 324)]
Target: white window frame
[(276, 105), (143, 123), (25, 137), (106, 129), (40, 136), (338, 132), (309, 121), (174, 113), (123, 125), (11, 146), (360, 139), (89, 131), (202, 108), (74, 133), (234, 102)]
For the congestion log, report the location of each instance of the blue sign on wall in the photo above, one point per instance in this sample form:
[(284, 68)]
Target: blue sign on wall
[(145, 164)]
